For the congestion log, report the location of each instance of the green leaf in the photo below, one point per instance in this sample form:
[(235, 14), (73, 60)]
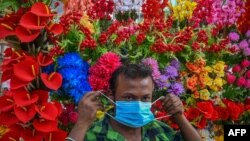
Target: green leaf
[(14, 4)]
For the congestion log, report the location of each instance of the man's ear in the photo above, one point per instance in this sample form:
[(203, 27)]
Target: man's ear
[(110, 94)]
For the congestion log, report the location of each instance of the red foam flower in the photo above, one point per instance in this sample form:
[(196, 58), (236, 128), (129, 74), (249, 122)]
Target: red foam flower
[(32, 21), (55, 29), (47, 111), (25, 114), (32, 135), (57, 135), (52, 81), (8, 118), (44, 59), (6, 29), (6, 103), (24, 98), (41, 9), (26, 35), (45, 126), (206, 108)]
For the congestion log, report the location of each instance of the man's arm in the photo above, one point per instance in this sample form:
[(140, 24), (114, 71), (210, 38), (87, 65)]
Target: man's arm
[(174, 107), (87, 109)]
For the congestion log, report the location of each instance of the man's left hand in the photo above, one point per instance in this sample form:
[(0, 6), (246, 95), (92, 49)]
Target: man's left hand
[(173, 105)]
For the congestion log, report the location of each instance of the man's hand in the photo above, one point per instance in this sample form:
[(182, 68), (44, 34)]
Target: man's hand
[(173, 105), (88, 107)]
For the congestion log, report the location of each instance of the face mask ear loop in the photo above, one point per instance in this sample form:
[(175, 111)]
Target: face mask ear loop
[(162, 97), (163, 117), (107, 97)]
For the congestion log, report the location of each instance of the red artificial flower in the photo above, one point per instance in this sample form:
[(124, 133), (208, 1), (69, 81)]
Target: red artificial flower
[(26, 70), (57, 135), (32, 135), (47, 111), (222, 112), (42, 94), (192, 113), (202, 123), (235, 109), (52, 81), (247, 104), (6, 29), (24, 98), (26, 35), (41, 9), (55, 29), (11, 136), (8, 118), (58, 106), (73, 116), (16, 83), (44, 59), (25, 114), (44, 125), (6, 103), (206, 108), (32, 21)]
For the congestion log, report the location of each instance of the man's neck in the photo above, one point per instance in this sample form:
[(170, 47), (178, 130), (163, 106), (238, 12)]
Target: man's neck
[(131, 134)]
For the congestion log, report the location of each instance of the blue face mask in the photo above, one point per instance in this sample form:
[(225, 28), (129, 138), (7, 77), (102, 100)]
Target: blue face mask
[(133, 114)]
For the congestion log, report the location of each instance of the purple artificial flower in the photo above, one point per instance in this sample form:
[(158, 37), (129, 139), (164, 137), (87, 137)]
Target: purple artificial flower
[(162, 82), (152, 63), (175, 63), (248, 34), (246, 51), (233, 36), (243, 44), (176, 89), (171, 72)]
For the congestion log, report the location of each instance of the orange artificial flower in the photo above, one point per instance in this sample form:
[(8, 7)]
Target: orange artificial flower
[(192, 82), (193, 67)]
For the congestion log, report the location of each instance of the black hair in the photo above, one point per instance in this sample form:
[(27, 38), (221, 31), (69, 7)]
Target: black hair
[(130, 71)]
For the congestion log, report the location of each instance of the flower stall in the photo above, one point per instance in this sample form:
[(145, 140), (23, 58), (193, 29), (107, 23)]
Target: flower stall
[(59, 50)]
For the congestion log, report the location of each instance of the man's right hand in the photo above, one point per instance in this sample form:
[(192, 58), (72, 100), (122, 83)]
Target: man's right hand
[(88, 106)]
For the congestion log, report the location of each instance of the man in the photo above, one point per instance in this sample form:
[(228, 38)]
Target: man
[(131, 89)]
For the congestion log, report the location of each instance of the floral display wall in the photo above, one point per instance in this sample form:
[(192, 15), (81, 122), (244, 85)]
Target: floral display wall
[(59, 50)]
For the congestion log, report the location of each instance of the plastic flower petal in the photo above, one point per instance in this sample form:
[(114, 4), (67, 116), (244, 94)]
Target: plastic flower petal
[(44, 125), (44, 59), (6, 103), (32, 135), (26, 35), (6, 29), (41, 9), (54, 28), (52, 81), (25, 114), (24, 98), (32, 21), (58, 135), (47, 111), (26, 70)]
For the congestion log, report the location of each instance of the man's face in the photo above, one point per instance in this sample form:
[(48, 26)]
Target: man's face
[(139, 89)]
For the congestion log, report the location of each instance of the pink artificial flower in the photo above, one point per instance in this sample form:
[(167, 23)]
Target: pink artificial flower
[(248, 74), (245, 63), (236, 68), (241, 81), (247, 84), (230, 78)]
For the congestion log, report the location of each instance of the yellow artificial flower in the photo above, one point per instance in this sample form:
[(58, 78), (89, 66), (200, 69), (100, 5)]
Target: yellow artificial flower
[(183, 10), (218, 68), (204, 94), (209, 69), (100, 114), (86, 22), (208, 81), (219, 138), (218, 81)]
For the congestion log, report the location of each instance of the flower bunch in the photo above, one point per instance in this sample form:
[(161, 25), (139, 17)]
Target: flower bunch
[(242, 45), (101, 9), (153, 9), (242, 23), (153, 64), (68, 117), (183, 10), (228, 12), (75, 75), (169, 79), (100, 73)]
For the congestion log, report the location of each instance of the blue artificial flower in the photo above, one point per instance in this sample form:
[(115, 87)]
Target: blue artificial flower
[(75, 75)]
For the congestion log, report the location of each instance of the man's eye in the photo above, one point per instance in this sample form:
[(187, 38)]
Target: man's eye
[(129, 98), (146, 98)]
